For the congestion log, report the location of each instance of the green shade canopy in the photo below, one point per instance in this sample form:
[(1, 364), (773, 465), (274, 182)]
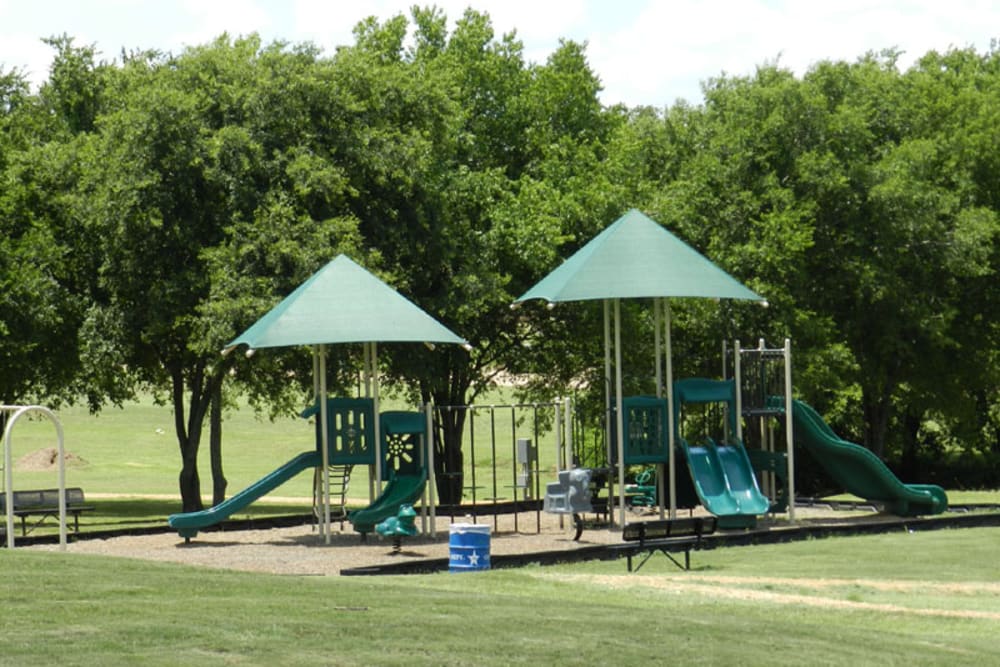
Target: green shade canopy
[(344, 303), (637, 258), (633, 258)]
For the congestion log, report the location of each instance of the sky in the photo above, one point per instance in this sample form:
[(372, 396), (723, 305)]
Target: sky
[(645, 52)]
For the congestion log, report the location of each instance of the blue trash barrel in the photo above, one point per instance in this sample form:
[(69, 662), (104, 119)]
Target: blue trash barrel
[(469, 547)]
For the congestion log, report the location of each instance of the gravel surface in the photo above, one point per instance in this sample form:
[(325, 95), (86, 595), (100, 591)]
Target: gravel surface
[(301, 550)]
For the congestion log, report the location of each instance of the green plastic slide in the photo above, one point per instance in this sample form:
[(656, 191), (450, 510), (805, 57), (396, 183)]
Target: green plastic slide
[(722, 475), (725, 483), (859, 471), (190, 523), (401, 490)]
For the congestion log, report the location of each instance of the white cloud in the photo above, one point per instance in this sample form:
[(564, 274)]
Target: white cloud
[(668, 47), (204, 20), (27, 54), (644, 51), (538, 24)]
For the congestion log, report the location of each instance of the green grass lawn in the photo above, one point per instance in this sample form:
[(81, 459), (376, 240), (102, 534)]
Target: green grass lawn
[(895, 599), (134, 451)]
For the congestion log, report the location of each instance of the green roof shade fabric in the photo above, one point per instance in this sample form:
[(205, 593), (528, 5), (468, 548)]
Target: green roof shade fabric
[(636, 257), (344, 303)]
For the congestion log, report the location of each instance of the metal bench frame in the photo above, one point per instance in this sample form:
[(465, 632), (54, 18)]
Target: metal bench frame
[(667, 536), (44, 503)]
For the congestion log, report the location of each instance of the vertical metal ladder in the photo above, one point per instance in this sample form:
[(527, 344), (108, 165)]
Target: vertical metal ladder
[(340, 478)]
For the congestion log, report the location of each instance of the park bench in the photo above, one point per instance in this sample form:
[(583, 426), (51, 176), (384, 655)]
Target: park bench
[(38, 505), (668, 536)]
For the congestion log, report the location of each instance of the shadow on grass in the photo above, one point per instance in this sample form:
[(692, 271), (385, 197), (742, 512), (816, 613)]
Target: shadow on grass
[(112, 513)]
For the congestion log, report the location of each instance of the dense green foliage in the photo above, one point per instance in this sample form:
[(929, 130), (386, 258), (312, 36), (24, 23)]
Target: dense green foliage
[(153, 208)]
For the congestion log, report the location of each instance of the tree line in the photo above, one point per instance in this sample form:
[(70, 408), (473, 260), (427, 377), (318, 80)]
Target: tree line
[(155, 205)]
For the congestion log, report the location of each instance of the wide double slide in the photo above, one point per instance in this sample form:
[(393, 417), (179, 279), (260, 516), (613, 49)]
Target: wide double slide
[(722, 475), (189, 523), (725, 482), (859, 471)]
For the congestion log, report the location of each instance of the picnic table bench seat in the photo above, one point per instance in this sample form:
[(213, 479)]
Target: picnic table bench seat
[(668, 536), (38, 505)]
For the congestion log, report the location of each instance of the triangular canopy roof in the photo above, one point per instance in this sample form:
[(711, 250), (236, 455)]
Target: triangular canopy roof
[(344, 303), (633, 258)]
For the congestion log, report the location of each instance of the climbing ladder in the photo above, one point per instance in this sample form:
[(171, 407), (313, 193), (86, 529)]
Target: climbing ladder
[(340, 478)]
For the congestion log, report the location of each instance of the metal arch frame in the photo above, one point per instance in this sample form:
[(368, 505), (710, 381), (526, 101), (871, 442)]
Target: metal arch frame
[(18, 412)]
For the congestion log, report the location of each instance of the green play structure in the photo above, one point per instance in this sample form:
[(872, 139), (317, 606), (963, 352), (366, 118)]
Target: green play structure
[(404, 464), (343, 303), (763, 377), (721, 471), (738, 482), (719, 468), (350, 427), (350, 434), (859, 471)]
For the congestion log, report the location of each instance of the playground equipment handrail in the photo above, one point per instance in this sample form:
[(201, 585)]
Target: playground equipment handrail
[(761, 352)]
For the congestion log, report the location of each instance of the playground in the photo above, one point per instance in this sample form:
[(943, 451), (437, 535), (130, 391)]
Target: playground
[(688, 435), (300, 550), (760, 588)]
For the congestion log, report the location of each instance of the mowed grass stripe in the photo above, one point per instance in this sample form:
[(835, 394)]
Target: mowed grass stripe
[(755, 591)]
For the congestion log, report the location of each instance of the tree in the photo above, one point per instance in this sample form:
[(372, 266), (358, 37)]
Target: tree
[(954, 171), (841, 197), (43, 255), (189, 167), (75, 86), (446, 131), (153, 208)]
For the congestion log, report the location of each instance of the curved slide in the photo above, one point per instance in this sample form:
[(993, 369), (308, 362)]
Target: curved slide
[(859, 471), (401, 490), (725, 483), (190, 523)]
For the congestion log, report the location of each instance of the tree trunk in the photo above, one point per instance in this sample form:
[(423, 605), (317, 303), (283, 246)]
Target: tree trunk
[(448, 457), (877, 407), (908, 463), (189, 431), (219, 482), (190, 483)]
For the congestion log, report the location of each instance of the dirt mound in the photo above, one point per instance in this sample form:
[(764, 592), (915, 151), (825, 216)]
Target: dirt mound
[(46, 459)]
